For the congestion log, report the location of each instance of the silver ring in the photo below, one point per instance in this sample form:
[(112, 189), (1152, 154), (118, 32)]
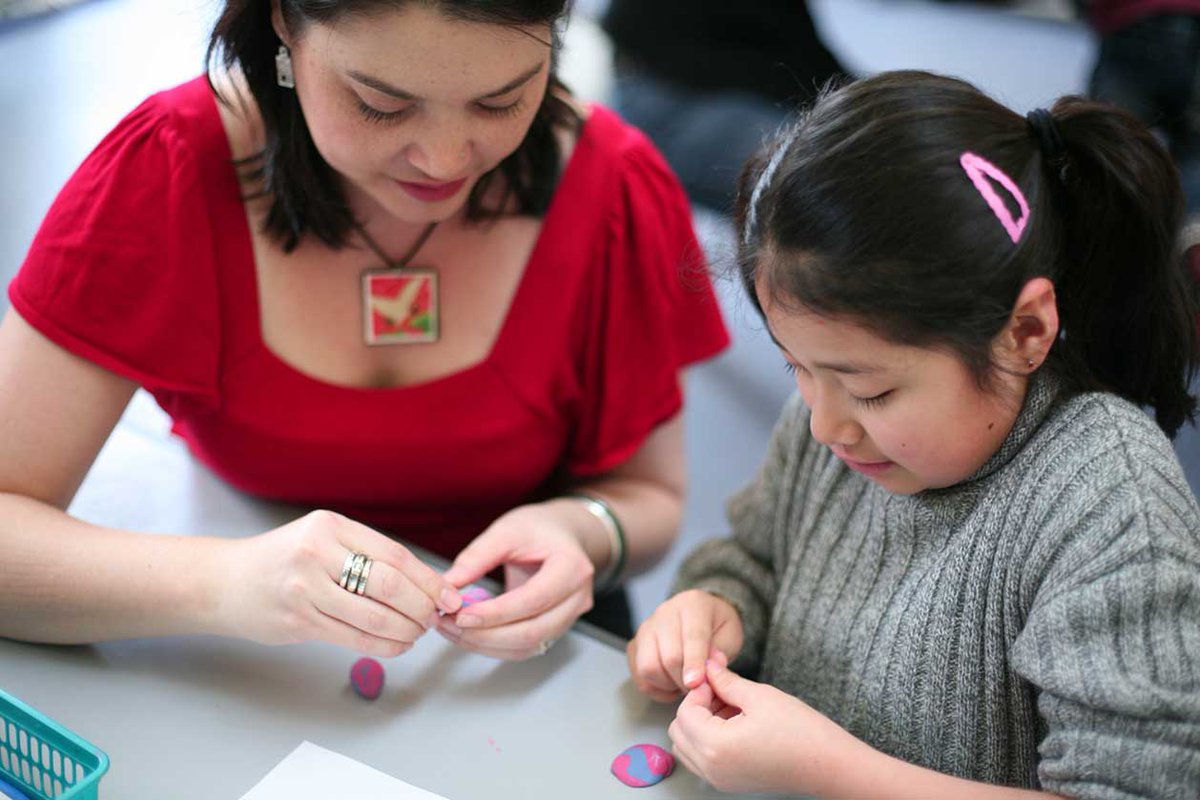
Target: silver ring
[(362, 582), (349, 563), (360, 560), (544, 646)]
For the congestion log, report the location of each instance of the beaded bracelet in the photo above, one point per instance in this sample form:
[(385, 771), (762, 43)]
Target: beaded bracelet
[(610, 577)]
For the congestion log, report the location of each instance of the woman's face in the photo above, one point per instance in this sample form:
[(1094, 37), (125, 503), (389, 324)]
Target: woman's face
[(412, 108)]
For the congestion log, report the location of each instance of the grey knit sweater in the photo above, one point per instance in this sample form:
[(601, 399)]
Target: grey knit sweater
[(1037, 625)]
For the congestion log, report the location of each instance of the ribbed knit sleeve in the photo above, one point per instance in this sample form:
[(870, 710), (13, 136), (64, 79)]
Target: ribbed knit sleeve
[(1112, 640), (743, 567)]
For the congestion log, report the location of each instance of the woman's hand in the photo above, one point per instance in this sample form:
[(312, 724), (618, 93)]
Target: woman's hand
[(282, 587), (547, 582), (666, 657), (743, 736)]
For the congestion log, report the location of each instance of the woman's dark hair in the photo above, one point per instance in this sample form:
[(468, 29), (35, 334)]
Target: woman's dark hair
[(306, 197), (860, 209)]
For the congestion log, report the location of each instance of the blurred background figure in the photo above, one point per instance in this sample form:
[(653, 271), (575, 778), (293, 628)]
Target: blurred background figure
[(12, 10), (1149, 64), (708, 79)]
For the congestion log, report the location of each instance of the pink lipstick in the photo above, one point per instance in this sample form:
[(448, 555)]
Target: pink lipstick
[(433, 192)]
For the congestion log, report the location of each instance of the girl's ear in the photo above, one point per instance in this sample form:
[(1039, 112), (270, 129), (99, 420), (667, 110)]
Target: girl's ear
[(1031, 330)]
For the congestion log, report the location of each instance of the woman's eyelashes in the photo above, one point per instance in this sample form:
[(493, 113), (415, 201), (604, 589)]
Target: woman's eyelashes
[(874, 401), (506, 110), (372, 114)]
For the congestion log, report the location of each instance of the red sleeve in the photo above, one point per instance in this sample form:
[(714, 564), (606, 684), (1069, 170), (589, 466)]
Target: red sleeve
[(122, 269), (652, 313)]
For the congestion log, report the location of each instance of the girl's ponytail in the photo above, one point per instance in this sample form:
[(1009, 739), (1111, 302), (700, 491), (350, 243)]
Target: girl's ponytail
[(1126, 307)]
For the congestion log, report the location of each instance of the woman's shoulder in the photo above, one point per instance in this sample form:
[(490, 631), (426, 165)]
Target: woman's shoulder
[(619, 196), (608, 144), (170, 128)]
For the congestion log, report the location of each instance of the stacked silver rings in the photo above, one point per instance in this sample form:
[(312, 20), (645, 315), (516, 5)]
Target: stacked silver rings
[(355, 571)]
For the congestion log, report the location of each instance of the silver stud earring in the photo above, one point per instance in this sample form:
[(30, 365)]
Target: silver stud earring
[(1029, 363), (283, 68)]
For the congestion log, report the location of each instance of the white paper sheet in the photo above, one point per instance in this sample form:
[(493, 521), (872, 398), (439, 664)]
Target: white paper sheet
[(311, 772)]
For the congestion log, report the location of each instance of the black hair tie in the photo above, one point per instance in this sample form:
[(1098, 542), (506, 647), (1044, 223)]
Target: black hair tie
[(1050, 140)]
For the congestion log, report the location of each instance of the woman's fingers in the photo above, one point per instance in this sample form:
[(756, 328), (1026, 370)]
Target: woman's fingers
[(395, 589), (556, 582), (370, 616), (335, 631), (516, 641), (357, 538), (478, 558)]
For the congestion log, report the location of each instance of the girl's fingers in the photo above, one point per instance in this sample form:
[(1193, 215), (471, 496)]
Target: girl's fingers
[(684, 756), (650, 669), (696, 635), (700, 696), (727, 712), (684, 750), (718, 655), (728, 640), (659, 693)]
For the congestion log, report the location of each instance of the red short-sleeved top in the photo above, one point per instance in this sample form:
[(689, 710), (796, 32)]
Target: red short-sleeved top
[(144, 265)]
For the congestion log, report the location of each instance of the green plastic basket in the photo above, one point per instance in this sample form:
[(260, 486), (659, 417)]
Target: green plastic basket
[(45, 760)]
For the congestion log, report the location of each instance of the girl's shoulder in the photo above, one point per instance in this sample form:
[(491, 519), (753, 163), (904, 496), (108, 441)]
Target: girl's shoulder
[(1099, 484), (1102, 438)]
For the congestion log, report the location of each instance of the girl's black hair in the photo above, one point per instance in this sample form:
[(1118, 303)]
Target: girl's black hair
[(860, 208), (306, 195)]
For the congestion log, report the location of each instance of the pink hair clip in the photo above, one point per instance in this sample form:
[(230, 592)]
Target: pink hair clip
[(977, 167)]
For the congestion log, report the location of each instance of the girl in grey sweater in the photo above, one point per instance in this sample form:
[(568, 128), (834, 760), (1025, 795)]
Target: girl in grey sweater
[(970, 565)]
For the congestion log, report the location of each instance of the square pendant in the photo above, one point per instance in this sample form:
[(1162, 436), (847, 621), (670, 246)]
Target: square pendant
[(400, 306)]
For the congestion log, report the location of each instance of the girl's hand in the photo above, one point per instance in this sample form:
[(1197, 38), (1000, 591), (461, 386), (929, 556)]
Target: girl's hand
[(547, 583), (743, 736), (282, 587), (666, 657)]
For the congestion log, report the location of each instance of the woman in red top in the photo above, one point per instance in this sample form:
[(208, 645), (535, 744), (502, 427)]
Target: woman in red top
[(383, 264)]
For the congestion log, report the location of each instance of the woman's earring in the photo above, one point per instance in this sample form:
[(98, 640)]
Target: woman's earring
[(1029, 363), (283, 68)]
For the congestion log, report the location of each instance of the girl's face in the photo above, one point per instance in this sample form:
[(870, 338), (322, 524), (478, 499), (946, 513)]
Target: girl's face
[(908, 418), (412, 108)]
